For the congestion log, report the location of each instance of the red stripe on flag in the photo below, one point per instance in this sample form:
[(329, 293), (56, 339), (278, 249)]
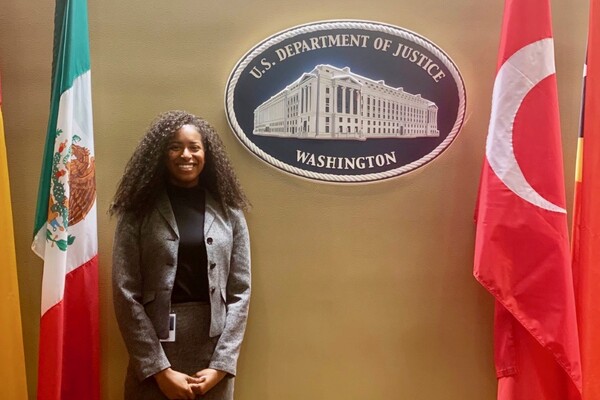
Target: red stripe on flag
[(69, 359)]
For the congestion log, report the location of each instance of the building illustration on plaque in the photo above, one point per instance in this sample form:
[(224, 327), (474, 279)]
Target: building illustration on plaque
[(335, 103)]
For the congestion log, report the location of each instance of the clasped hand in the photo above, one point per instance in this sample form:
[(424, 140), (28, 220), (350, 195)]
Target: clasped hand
[(177, 385)]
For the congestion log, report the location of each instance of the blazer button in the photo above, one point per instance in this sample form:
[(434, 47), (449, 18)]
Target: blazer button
[(209, 240), (212, 265), (212, 289)]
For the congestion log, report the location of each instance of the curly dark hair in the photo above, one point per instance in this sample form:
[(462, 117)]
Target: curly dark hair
[(145, 173)]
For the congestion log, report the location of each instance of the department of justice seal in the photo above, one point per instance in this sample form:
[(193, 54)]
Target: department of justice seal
[(346, 101)]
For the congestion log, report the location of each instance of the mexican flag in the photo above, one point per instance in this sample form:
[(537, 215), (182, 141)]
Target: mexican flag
[(65, 233)]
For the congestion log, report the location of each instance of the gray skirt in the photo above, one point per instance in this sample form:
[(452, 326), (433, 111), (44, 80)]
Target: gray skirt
[(190, 353)]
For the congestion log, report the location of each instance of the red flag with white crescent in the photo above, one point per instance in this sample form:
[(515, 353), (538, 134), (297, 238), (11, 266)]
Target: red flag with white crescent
[(522, 250)]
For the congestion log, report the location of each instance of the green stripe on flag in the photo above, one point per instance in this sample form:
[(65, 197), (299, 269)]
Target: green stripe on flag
[(71, 59)]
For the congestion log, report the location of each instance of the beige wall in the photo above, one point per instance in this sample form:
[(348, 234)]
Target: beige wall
[(360, 292)]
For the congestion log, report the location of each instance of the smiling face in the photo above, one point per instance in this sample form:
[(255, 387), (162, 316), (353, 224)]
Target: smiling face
[(185, 157)]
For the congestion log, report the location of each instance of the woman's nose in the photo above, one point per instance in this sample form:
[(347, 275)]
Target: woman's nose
[(186, 153)]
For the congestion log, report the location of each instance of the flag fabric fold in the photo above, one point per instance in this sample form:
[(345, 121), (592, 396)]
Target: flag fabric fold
[(65, 232), (586, 215), (12, 359), (521, 249)]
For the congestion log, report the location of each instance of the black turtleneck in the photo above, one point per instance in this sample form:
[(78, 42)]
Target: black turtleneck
[(191, 280)]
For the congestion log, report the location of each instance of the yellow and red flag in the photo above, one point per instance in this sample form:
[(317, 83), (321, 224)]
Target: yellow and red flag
[(12, 361), (522, 245), (586, 215)]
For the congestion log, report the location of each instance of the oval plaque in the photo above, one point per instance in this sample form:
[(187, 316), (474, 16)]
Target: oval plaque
[(346, 101)]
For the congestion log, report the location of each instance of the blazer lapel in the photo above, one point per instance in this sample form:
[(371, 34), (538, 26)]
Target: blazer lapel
[(210, 211), (164, 208)]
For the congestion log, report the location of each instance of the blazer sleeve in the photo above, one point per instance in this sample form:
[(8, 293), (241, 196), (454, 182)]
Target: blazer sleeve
[(228, 346), (145, 351)]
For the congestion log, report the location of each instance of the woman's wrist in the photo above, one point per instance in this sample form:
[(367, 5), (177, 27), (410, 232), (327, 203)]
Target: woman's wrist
[(161, 375)]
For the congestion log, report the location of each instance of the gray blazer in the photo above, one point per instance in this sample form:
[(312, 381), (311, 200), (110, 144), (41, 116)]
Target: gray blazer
[(144, 266)]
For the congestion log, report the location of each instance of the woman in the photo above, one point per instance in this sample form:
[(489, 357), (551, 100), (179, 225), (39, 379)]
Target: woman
[(181, 263)]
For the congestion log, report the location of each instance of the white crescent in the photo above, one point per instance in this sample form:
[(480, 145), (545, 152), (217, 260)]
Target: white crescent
[(517, 76)]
